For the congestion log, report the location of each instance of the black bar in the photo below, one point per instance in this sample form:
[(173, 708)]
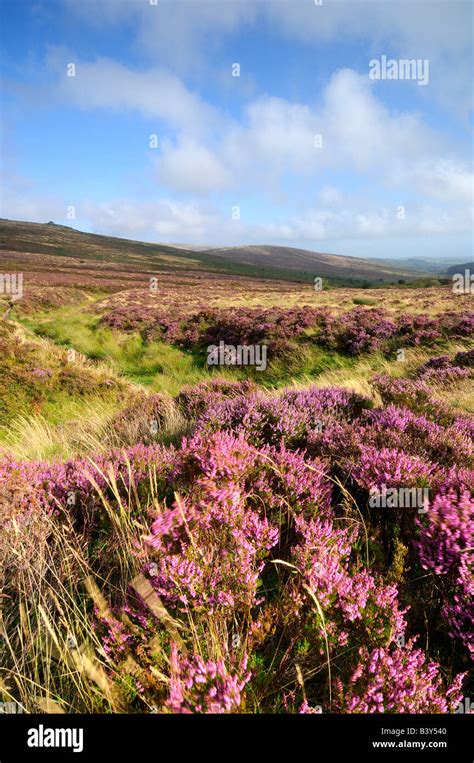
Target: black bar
[(154, 737)]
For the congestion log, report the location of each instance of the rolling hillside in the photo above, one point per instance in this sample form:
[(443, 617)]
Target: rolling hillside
[(20, 239), (317, 263)]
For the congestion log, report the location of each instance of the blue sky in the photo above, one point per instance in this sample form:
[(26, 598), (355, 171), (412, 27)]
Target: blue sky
[(237, 159)]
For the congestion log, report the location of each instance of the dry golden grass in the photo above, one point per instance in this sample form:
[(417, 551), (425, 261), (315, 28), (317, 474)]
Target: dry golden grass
[(428, 301), (52, 659), (51, 656), (34, 438)]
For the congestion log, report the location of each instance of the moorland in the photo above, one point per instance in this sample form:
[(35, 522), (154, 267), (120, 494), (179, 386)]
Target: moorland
[(184, 537)]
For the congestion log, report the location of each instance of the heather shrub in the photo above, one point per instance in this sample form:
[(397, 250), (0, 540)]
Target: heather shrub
[(440, 361), (448, 375), (392, 427), (391, 467), (92, 491), (234, 498), (464, 359), (358, 331), (242, 569), (357, 606), (413, 394), (225, 575), (290, 418), (23, 532), (198, 686), (396, 680), (195, 400), (445, 546)]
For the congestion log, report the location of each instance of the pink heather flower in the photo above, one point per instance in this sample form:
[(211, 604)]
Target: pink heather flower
[(392, 467), (445, 545), (449, 531), (352, 599), (197, 686), (257, 520), (209, 549), (397, 680)]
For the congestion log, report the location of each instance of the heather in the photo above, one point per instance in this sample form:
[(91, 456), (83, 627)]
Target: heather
[(242, 568), (177, 538), (360, 330), (160, 339)]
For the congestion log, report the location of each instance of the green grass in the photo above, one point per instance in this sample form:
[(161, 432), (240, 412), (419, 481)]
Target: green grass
[(165, 368), (66, 414), (66, 427), (157, 365)]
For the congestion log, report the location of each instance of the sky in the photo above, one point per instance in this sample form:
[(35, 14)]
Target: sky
[(223, 122)]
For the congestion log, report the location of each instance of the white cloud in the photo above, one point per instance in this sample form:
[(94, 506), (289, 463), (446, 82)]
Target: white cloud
[(180, 32), (370, 220), (334, 217), (443, 179), (276, 139), (329, 196), (271, 149), (439, 30), (172, 32), (105, 84), (191, 167), (170, 221), (162, 219), (362, 132)]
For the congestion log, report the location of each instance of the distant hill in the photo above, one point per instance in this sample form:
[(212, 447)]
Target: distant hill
[(432, 266), (280, 262), (418, 264), (314, 263), (460, 268)]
